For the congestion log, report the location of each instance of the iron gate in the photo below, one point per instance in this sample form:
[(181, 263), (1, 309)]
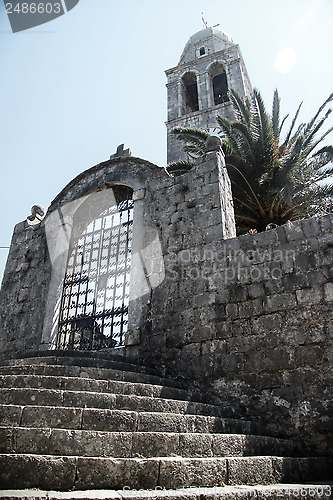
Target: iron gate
[(95, 296)]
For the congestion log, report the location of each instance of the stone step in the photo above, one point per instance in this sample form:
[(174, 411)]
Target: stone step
[(120, 420), (315, 491), (91, 385), (90, 443), (113, 354), (83, 362), (96, 357), (67, 473), (52, 397), (87, 372)]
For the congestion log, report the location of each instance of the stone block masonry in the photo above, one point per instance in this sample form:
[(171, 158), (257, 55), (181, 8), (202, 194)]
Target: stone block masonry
[(247, 320), (24, 290)]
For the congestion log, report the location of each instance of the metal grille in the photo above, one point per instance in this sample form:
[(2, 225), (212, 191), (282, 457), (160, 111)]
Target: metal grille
[(94, 304)]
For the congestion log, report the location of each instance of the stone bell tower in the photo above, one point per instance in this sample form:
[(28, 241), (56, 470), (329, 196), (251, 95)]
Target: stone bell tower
[(209, 66)]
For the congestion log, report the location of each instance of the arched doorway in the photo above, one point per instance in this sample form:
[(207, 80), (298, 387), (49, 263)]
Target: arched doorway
[(95, 294)]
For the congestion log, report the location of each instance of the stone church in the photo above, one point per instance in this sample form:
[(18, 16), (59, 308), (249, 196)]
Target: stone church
[(146, 347)]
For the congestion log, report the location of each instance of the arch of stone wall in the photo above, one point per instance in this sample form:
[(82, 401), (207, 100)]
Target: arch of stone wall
[(130, 171), (92, 188), (217, 63)]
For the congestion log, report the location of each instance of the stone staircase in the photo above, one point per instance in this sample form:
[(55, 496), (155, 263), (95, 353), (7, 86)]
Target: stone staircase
[(73, 422)]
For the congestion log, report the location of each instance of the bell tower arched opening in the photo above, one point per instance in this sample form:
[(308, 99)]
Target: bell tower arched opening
[(190, 93), (219, 84)]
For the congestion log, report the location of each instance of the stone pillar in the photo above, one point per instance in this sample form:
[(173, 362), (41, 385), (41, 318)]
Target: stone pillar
[(209, 188), (203, 95)]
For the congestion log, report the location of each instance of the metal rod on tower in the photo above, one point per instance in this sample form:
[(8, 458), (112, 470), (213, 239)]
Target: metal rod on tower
[(203, 20)]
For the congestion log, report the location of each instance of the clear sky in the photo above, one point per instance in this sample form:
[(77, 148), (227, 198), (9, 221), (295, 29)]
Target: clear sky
[(75, 88)]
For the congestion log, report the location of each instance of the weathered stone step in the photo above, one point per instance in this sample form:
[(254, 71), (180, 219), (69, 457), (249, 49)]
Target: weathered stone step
[(316, 491), (96, 357), (52, 397), (91, 385), (83, 362), (87, 372), (66, 473), (119, 420), (112, 354), (89, 443)]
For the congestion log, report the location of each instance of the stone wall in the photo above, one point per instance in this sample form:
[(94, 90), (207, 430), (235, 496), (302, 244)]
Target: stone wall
[(24, 290), (249, 320)]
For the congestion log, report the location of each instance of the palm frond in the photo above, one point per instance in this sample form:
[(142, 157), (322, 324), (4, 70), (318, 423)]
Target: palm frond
[(241, 107), (272, 180), (178, 167), (326, 150), (292, 124), (321, 108), (195, 133), (276, 115), (282, 124)]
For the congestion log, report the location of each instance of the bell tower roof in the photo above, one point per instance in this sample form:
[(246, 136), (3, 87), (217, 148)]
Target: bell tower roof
[(213, 38)]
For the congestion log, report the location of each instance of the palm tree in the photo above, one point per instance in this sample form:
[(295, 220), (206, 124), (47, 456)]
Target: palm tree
[(273, 180)]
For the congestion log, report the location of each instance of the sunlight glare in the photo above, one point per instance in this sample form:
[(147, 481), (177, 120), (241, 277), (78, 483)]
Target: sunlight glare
[(285, 60)]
